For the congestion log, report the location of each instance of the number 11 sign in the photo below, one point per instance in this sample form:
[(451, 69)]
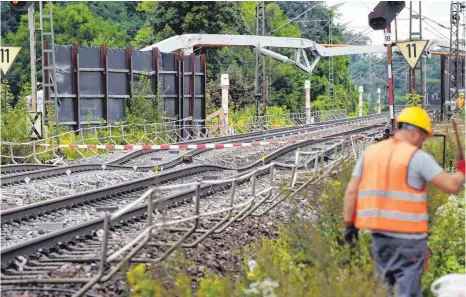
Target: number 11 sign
[(7, 56), (412, 50)]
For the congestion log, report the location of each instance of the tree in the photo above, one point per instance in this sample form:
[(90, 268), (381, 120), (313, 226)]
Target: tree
[(167, 19), (117, 13), (9, 18), (73, 23)]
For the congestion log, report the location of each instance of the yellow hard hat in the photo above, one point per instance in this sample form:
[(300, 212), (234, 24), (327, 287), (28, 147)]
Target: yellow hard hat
[(461, 94), (416, 116)]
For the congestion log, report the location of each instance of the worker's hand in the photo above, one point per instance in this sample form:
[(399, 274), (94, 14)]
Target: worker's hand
[(460, 165), (350, 235)]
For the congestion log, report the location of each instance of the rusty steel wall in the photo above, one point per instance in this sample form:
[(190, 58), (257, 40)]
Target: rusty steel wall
[(99, 79)]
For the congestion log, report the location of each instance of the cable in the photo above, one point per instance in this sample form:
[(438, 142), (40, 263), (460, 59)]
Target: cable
[(360, 35), (427, 18), (425, 23), (437, 35), (293, 19)]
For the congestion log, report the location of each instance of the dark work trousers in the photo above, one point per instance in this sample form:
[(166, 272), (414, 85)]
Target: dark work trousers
[(400, 263)]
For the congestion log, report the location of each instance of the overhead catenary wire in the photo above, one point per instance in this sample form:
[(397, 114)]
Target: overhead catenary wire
[(293, 19)]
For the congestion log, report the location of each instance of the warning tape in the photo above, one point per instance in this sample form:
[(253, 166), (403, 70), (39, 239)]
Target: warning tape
[(190, 146)]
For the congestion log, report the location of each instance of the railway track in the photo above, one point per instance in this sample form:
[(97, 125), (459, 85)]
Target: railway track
[(132, 157), (14, 218), (21, 168)]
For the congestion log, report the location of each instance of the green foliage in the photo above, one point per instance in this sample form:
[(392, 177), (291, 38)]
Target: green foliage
[(14, 122), (73, 23), (240, 90), (122, 13), (9, 18), (14, 119), (447, 240), (175, 18), (413, 100), (140, 109)]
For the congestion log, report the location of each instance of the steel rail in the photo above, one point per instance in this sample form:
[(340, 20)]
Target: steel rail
[(10, 169), (115, 165), (71, 233), (237, 137), (23, 212)]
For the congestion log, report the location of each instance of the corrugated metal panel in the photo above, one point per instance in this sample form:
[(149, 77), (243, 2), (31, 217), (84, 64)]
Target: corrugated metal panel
[(84, 85)]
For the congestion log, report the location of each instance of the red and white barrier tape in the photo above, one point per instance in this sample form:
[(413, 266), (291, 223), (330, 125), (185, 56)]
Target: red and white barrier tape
[(189, 146)]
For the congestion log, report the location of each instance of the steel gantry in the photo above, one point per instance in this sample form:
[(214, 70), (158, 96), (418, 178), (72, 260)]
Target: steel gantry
[(454, 68), (260, 85), (415, 33)]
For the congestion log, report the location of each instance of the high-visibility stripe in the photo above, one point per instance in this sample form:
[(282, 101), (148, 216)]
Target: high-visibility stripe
[(383, 203), (391, 225), (396, 215), (194, 146), (393, 195)]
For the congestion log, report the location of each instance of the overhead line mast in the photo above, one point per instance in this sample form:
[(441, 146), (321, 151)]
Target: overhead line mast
[(455, 70), (260, 88)]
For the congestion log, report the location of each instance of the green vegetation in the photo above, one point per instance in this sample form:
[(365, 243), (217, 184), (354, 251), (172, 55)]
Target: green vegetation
[(73, 23), (140, 110), (413, 100), (142, 23), (309, 258)]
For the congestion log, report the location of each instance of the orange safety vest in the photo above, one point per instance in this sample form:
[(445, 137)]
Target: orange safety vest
[(385, 201)]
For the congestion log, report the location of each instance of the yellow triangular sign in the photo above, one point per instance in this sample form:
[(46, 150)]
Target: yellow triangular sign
[(412, 50), (7, 56)]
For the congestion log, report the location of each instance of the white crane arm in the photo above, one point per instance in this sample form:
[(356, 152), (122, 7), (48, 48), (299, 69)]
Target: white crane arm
[(186, 42)]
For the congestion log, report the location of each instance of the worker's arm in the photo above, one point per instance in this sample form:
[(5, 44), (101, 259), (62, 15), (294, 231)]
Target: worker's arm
[(449, 183), (350, 200), (430, 171)]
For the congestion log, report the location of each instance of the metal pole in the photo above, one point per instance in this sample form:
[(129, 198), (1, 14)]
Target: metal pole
[(391, 103), (361, 92), (424, 80), (307, 87), (379, 109), (32, 50), (443, 85), (4, 91)]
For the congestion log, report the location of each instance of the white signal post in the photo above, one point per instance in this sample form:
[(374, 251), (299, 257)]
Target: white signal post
[(379, 111), (361, 92), (225, 83), (32, 50), (307, 87)]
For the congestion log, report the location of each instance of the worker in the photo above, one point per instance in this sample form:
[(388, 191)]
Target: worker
[(460, 101), (387, 196)]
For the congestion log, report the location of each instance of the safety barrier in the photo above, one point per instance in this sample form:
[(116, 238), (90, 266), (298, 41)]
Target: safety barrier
[(192, 146), (156, 133)]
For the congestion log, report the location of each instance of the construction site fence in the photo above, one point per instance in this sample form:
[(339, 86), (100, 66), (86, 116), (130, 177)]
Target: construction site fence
[(167, 132)]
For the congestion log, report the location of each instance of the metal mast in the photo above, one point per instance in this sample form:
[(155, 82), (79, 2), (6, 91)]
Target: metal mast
[(416, 34), (260, 89), (453, 59), (49, 72), (331, 80)]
